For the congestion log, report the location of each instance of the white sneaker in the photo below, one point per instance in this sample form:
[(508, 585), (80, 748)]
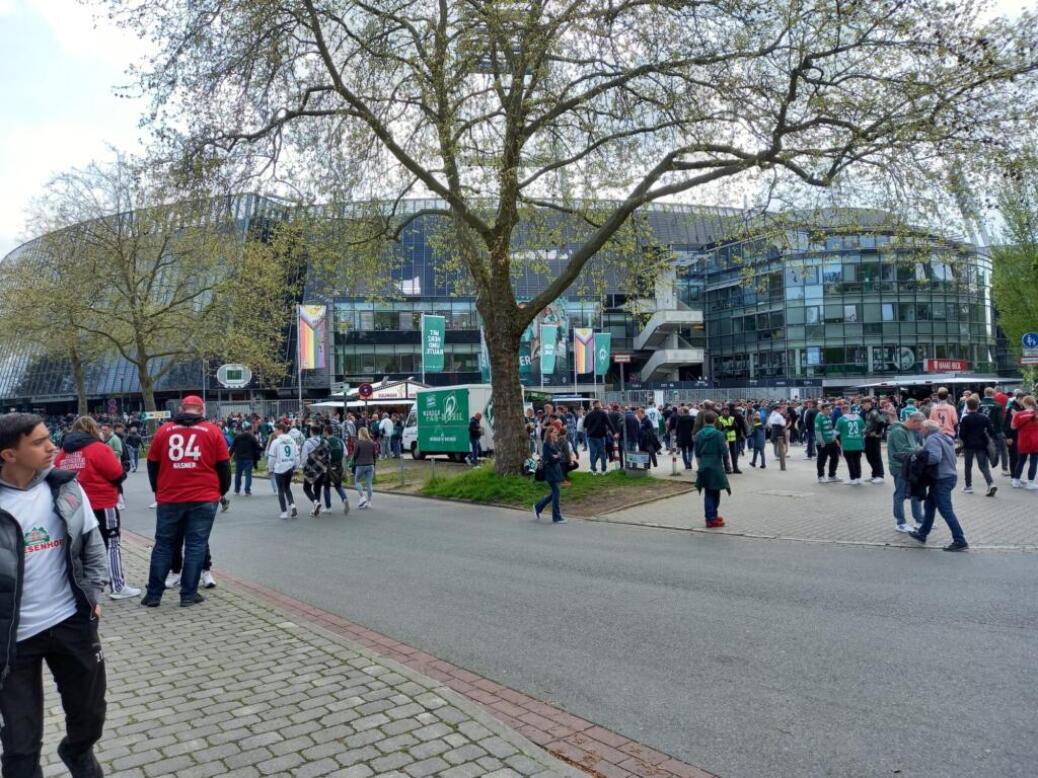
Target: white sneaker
[(905, 527), (126, 593), (172, 580), (1015, 483), (316, 510), (967, 490), (834, 479), (877, 480), (284, 514), (208, 582), (363, 503), (822, 479), (154, 505), (1031, 486)]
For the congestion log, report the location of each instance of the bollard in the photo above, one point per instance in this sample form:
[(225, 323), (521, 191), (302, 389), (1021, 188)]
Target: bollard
[(401, 470), (673, 464)]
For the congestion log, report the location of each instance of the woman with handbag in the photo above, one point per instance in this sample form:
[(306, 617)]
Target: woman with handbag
[(551, 467)]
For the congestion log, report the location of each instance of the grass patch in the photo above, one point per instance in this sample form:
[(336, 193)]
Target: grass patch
[(585, 496)]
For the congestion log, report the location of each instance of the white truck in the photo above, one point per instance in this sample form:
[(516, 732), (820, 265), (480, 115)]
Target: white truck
[(438, 424)]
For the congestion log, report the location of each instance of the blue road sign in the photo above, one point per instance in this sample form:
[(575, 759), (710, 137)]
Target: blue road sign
[(1030, 340)]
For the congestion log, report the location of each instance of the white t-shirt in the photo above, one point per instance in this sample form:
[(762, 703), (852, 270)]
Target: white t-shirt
[(47, 597), (776, 419)]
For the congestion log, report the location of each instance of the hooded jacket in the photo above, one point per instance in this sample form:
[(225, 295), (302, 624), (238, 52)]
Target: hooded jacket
[(85, 559), (95, 465)]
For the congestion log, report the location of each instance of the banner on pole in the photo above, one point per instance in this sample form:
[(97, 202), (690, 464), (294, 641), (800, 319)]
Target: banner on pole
[(603, 348), (549, 340), (484, 359), (584, 349), (433, 332), (312, 323)]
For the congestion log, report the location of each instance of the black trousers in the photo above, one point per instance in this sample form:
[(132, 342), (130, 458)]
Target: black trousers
[(733, 452), (313, 490), (874, 457), (72, 651), (853, 464), (829, 452)]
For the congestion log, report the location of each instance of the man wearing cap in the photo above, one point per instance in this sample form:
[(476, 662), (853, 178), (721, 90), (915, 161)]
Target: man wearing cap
[(189, 470)]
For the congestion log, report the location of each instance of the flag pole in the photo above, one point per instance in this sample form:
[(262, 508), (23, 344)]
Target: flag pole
[(299, 360), (423, 347)]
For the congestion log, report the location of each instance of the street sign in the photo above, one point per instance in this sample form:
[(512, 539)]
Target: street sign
[(1029, 360), (151, 415), (622, 359), (1030, 340), (233, 376), (364, 391), (947, 365)]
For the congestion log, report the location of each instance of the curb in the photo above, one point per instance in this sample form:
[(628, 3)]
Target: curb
[(526, 722)]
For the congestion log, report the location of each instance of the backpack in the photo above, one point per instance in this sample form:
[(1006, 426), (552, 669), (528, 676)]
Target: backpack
[(318, 462)]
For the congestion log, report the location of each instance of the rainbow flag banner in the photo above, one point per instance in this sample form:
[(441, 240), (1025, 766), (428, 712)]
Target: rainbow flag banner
[(311, 324), (584, 349)]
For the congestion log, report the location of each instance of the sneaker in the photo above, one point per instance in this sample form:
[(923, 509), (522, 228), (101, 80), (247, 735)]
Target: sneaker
[(125, 593), (1031, 486), (284, 514), (914, 534), (225, 505), (563, 520), (294, 512), (172, 580), (991, 490), (363, 503), (1015, 483), (154, 505), (346, 507), (1006, 474), (208, 582), (957, 546), (316, 510), (149, 602), (967, 490), (876, 480), (822, 479), (193, 601), (904, 528), (536, 513), (833, 479)]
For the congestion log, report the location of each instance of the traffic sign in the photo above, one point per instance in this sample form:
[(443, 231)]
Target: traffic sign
[(1029, 360), (364, 391), (151, 415), (622, 359), (1030, 340)]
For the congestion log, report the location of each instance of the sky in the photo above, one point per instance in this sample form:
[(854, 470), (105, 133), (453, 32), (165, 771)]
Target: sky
[(61, 67)]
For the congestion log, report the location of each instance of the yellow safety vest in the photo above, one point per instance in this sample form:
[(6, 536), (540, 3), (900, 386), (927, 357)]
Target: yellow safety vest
[(729, 427)]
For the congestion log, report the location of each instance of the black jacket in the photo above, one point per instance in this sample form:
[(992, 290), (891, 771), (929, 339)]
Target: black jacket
[(475, 429), (245, 447), (974, 430), (596, 423), (616, 422), (633, 428), (683, 430), (648, 440)]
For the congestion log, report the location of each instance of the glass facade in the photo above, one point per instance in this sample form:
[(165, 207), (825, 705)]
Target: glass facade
[(847, 305)]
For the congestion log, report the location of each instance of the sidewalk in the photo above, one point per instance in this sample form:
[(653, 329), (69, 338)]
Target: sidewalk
[(235, 688), (792, 505)]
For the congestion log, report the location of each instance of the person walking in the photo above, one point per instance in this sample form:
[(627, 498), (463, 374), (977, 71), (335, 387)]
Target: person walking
[(282, 458), (189, 470), (939, 450), (777, 425), (648, 442), (1025, 425), (943, 412), (683, 435), (245, 450), (551, 463), (850, 431), (758, 437), (978, 438), (875, 428), (903, 440), (364, 467), (317, 458), (475, 433), (53, 565), (726, 421), (711, 449), (825, 442), (596, 431), (333, 478), (991, 408), (132, 444), (1013, 407), (808, 424), (99, 473)]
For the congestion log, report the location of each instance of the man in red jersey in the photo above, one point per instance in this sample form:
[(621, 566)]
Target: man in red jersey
[(189, 469)]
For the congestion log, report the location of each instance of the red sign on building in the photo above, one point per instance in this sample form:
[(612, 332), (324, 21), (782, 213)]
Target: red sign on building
[(947, 365)]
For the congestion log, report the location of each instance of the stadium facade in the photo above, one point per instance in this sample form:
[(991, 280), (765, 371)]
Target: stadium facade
[(827, 303)]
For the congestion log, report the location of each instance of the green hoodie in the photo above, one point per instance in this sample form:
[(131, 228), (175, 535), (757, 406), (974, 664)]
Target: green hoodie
[(900, 443)]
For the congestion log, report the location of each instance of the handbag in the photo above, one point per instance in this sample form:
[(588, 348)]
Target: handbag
[(538, 474)]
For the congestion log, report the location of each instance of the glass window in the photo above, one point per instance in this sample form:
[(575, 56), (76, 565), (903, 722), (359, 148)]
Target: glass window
[(832, 272), (833, 312), (795, 315), (813, 314), (922, 312), (850, 313), (888, 311), (906, 311)]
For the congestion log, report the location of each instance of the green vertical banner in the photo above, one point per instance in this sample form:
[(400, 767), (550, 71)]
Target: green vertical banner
[(549, 337), (603, 350), (484, 359), (433, 332)]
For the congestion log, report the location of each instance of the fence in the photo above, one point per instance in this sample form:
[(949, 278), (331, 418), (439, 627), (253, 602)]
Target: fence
[(728, 394)]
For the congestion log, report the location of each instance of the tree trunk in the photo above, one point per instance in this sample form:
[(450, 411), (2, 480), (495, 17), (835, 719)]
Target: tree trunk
[(147, 388), (79, 376), (511, 444)]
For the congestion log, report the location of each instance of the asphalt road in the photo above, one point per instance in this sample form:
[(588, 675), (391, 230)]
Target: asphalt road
[(744, 657)]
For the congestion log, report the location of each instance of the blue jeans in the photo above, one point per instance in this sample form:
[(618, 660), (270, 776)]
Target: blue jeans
[(598, 452), (474, 450), (902, 492), (396, 445), (243, 466), (810, 444), (195, 521), (711, 502), (940, 499), (135, 457), (686, 456), (362, 478), (556, 513)]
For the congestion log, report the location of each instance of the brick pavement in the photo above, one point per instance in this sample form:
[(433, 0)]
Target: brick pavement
[(254, 683), (792, 505)]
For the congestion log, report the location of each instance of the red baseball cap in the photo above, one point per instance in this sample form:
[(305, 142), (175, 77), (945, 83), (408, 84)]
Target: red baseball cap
[(192, 400)]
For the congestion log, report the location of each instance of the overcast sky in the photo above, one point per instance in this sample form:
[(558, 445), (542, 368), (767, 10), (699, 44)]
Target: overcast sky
[(60, 69)]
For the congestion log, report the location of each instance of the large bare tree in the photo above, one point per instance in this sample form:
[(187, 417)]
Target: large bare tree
[(498, 108)]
